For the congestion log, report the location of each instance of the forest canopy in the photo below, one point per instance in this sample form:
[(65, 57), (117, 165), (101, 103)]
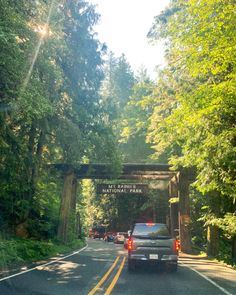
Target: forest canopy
[(65, 98)]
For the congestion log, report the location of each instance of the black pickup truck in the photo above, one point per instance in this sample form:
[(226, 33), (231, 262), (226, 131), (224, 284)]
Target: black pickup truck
[(151, 243)]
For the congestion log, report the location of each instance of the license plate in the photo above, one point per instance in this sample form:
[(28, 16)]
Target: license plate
[(153, 256)]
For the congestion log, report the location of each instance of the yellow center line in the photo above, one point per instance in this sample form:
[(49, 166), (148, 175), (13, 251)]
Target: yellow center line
[(104, 277), (114, 281)]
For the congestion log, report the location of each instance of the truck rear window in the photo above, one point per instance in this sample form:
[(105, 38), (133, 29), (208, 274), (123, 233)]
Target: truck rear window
[(154, 230)]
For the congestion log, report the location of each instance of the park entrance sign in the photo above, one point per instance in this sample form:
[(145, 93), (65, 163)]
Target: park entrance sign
[(178, 187), (126, 188)]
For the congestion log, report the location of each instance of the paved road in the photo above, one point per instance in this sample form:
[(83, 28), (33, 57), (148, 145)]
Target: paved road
[(101, 269)]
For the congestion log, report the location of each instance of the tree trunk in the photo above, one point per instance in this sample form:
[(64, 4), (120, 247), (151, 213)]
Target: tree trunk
[(34, 158), (174, 207), (174, 223), (35, 149), (184, 211), (73, 216), (213, 235), (78, 225), (212, 240), (31, 161), (234, 249), (173, 188), (67, 202)]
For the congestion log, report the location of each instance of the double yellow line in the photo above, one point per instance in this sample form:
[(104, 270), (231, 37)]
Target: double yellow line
[(104, 278)]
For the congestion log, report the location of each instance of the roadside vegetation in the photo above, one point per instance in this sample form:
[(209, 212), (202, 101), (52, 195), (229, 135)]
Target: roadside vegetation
[(51, 71), (64, 98), (16, 252)]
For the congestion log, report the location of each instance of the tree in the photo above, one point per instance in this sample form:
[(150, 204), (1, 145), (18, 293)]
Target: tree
[(81, 65), (135, 121), (117, 86), (50, 106), (202, 121), (198, 129), (24, 108)]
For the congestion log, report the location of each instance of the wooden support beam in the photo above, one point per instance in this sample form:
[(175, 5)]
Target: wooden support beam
[(128, 176), (174, 207), (128, 171), (184, 211), (174, 223), (67, 207)]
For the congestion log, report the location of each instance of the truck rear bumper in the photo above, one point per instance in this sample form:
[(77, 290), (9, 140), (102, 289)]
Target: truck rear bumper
[(163, 258)]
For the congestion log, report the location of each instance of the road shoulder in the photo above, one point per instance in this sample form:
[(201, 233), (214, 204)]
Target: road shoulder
[(14, 270), (222, 275)]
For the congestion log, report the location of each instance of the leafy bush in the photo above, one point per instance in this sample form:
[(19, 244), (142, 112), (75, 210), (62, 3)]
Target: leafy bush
[(17, 251), (225, 252)]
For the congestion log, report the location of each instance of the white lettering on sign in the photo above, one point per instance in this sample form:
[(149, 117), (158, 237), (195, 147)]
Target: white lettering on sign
[(136, 190), (122, 188)]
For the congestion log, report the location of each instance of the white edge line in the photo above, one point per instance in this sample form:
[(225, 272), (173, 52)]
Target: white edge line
[(42, 265), (208, 279)]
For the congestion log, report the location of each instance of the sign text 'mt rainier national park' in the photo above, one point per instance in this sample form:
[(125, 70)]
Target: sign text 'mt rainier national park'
[(122, 188)]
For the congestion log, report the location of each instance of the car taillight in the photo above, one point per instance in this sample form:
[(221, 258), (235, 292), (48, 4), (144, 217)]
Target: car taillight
[(177, 245), (130, 244)]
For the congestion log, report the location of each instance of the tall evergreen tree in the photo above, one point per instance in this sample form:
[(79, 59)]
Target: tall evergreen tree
[(197, 129)]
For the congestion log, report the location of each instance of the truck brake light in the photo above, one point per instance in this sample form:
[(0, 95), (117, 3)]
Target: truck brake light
[(130, 244), (177, 245)]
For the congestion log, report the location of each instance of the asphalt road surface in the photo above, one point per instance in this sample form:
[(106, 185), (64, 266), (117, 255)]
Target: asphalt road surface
[(101, 268)]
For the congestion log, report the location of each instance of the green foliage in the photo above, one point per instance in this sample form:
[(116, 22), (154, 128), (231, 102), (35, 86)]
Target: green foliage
[(116, 87), (173, 200), (193, 119), (199, 216), (199, 130), (227, 224), (50, 111), (225, 252), (135, 122), (19, 251)]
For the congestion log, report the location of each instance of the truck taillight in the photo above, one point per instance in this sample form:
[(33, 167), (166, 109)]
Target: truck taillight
[(177, 245), (130, 244)]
